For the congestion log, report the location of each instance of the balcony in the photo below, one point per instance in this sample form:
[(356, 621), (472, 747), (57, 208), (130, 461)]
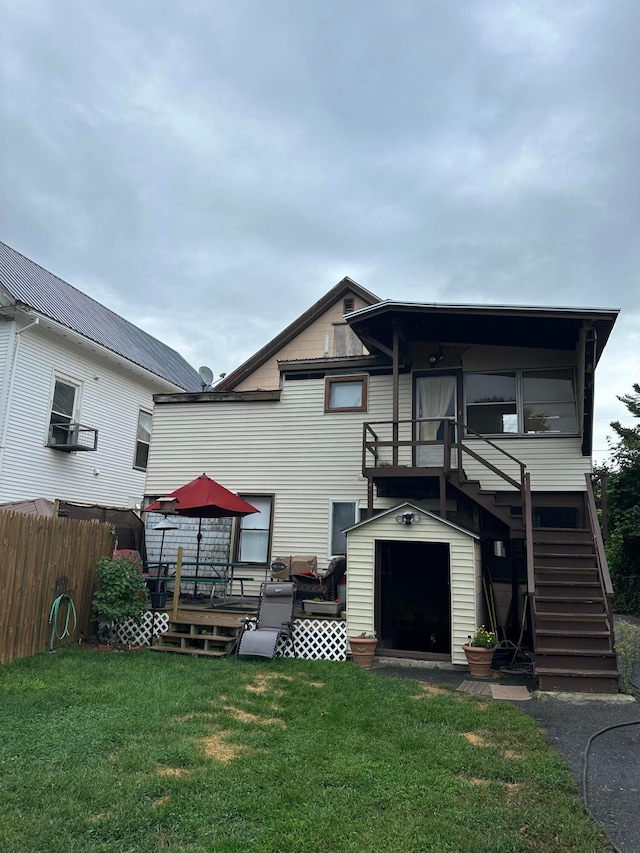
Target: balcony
[(432, 447), (72, 437)]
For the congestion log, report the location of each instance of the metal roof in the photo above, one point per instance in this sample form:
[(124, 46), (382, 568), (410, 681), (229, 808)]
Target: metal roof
[(34, 287)]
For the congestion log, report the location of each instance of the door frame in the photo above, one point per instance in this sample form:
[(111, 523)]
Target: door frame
[(456, 372), (377, 603)]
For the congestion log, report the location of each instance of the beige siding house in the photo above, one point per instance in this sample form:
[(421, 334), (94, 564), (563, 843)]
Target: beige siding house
[(477, 417)]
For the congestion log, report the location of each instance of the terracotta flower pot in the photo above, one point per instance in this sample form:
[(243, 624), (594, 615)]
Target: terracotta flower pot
[(479, 660), (363, 650)]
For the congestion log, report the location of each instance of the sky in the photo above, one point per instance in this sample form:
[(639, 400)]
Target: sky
[(210, 169)]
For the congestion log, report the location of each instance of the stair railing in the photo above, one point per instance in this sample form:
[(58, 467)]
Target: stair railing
[(601, 557)]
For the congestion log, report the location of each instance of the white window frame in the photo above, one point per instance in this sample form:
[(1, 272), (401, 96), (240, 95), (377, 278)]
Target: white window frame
[(244, 524), (332, 532), (139, 441), (519, 401), (76, 384)]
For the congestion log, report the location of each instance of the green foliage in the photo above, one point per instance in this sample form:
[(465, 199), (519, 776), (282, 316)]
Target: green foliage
[(121, 594), (623, 501), (628, 650), (109, 753)]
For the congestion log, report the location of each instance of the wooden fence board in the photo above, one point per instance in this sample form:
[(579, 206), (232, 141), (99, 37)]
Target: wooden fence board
[(40, 558)]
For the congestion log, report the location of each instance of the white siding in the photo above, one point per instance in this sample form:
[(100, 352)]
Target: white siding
[(6, 328), (361, 544), (555, 464), (290, 449), (110, 400)]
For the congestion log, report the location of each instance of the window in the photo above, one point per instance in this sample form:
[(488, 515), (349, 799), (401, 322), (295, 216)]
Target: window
[(343, 515), (254, 531), (345, 394), (63, 409), (555, 516), (549, 401), (529, 402), (143, 437)]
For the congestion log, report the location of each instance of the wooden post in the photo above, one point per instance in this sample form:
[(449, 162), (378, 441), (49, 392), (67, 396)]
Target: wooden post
[(176, 588), (396, 396)]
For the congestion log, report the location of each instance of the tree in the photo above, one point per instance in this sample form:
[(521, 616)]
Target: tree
[(623, 498)]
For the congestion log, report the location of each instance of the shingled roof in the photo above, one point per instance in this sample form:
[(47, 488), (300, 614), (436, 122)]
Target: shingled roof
[(28, 285)]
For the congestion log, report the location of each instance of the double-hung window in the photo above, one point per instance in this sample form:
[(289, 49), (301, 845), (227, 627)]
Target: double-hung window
[(63, 409), (522, 402), (254, 531), (343, 515), (143, 438)]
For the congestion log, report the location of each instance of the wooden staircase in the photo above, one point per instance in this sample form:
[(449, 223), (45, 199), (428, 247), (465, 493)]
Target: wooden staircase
[(203, 633), (573, 637), (573, 634)]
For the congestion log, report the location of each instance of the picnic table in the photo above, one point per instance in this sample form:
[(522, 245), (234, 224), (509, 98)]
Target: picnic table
[(223, 577)]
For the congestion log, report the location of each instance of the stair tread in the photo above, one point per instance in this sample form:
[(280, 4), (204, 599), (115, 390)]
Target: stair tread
[(577, 652), (216, 653), (176, 635), (576, 632), (583, 673)]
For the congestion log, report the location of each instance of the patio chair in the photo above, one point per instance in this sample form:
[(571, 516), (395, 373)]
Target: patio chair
[(312, 585), (275, 620)]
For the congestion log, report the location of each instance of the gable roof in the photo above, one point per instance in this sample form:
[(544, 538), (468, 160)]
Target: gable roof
[(28, 285), (347, 285), (414, 507)]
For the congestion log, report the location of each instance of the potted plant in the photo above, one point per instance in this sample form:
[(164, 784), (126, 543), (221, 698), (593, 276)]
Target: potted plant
[(121, 595), (322, 607), (479, 651), (363, 649)]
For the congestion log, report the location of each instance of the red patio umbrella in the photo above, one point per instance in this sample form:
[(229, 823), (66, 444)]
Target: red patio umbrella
[(204, 498)]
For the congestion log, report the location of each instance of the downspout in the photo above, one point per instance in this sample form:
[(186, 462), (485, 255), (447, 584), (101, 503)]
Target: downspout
[(7, 385)]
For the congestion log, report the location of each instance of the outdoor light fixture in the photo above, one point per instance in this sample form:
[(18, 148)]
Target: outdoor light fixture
[(437, 356), (164, 525), (408, 518)]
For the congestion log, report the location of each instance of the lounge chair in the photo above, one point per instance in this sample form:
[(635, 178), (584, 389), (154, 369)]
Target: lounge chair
[(275, 620)]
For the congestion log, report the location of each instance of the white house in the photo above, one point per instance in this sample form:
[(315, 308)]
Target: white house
[(477, 417), (76, 391)]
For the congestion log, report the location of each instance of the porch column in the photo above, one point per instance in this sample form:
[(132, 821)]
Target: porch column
[(396, 394)]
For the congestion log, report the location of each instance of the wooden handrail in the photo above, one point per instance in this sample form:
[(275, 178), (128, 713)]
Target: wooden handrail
[(597, 537)]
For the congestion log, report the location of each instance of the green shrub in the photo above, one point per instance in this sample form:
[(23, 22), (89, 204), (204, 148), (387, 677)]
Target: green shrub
[(122, 592), (628, 650)]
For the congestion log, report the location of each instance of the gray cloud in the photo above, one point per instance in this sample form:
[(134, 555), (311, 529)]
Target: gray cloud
[(209, 169)]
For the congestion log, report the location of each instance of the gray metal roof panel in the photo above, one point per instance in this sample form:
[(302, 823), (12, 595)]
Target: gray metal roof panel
[(42, 291)]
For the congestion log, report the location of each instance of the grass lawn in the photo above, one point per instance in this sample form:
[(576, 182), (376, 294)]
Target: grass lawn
[(110, 753)]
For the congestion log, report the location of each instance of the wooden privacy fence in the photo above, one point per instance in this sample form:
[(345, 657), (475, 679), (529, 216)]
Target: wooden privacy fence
[(40, 558)]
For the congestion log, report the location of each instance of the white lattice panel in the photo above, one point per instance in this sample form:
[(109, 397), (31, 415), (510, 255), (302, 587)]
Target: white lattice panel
[(140, 635), (315, 639)]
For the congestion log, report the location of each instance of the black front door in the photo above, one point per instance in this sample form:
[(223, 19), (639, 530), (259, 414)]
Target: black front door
[(413, 597)]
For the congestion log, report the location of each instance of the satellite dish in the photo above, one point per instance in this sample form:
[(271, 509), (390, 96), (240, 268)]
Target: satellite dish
[(206, 374)]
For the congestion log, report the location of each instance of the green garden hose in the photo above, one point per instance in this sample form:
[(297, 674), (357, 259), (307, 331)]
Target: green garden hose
[(70, 616)]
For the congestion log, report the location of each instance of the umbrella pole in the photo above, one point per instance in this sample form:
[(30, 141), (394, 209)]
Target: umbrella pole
[(198, 540)]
